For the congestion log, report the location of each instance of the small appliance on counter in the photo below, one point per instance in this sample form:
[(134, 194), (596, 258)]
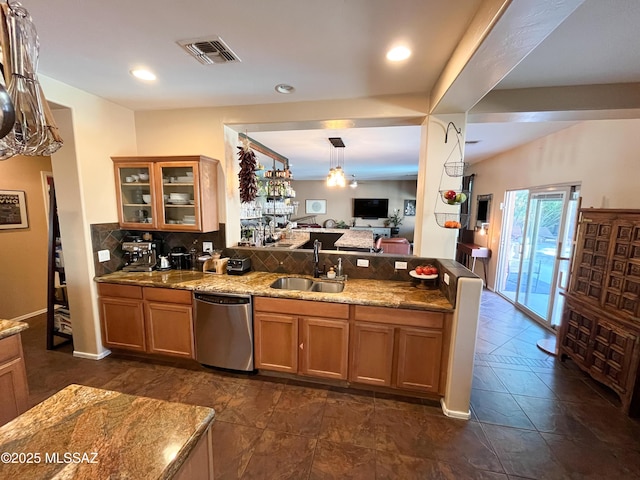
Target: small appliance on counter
[(238, 266), (139, 256), (179, 258), (216, 265)]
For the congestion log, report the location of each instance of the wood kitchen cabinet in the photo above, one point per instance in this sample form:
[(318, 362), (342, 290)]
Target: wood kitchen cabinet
[(14, 391), (276, 341), (122, 317), (372, 353), (150, 320), (399, 348), (291, 337), (167, 193)]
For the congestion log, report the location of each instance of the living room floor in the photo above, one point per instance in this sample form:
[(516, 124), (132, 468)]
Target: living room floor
[(532, 416)]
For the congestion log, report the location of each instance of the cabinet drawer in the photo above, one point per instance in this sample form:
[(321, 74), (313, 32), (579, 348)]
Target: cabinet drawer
[(301, 307), (9, 348), (399, 316), (167, 295), (121, 291)]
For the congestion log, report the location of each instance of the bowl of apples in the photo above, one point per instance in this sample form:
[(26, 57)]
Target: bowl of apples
[(424, 272), (453, 197)]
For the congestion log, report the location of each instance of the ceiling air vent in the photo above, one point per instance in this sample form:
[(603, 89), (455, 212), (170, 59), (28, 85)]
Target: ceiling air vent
[(209, 50)]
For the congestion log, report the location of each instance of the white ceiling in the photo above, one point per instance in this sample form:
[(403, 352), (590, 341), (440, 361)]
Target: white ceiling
[(333, 49)]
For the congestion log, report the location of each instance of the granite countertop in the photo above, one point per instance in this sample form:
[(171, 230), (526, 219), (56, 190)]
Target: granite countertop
[(131, 437), (384, 293), (11, 327)]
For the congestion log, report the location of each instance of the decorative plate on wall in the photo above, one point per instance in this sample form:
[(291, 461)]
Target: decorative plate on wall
[(316, 206)]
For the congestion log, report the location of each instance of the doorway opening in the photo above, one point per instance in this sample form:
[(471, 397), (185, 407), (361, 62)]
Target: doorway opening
[(536, 240)]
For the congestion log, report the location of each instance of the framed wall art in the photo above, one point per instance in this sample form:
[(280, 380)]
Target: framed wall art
[(409, 208), (316, 206), (13, 210)]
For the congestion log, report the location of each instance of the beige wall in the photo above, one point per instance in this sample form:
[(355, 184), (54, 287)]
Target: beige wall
[(601, 155), (23, 252), (93, 130), (207, 131), (339, 200)]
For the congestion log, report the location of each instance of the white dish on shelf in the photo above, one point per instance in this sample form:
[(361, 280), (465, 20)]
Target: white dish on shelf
[(184, 179), (177, 201), (423, 277), (181, 196)]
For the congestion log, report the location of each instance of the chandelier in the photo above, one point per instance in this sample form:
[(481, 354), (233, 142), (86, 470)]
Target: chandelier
[(336, 177)]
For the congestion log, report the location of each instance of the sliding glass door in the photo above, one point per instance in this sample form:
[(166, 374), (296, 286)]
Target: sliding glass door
[(533, 264)]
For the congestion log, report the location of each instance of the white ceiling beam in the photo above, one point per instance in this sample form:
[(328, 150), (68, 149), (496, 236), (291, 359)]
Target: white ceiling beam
[(570, 103), (501, 34)]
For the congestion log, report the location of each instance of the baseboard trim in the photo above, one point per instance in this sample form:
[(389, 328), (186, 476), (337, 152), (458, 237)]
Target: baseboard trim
[(454, 413), (92, 356), (26, 316)]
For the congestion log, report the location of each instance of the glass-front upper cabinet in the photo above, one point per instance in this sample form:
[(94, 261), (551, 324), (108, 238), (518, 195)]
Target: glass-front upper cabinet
[(136, 195), (180, 197), (179, 193)]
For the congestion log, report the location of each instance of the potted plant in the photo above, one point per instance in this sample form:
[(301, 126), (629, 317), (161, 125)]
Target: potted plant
[(394, 221)]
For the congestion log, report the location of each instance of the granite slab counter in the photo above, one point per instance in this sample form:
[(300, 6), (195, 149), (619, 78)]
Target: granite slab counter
[(11, 327), (384, 293), (107, 434)]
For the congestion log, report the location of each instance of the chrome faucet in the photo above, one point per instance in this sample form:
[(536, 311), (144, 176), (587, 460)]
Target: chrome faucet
[(316, 258)]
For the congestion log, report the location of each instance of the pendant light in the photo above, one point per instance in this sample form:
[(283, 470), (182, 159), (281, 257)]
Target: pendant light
[(336, 177), (353, 183)]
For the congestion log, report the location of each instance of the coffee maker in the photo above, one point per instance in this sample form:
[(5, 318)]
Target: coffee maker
[(139, 256)]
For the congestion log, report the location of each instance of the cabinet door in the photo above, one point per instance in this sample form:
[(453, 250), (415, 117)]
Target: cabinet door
[(324, 348), (276, 342), (419, 358), (610, 354), (136, 195), (122, 322), (371, 353), (170, 329), (14, 393), (180, 205)]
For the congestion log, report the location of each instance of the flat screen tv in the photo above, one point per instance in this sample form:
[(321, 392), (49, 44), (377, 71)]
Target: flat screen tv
[(370, 207)]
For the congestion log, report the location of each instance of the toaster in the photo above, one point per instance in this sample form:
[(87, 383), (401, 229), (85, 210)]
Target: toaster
[(238, 266)]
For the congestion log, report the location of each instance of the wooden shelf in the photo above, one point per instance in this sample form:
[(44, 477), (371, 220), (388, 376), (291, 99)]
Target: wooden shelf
[(52, 301)]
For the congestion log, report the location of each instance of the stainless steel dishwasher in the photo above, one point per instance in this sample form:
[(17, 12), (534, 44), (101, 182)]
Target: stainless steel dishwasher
[(224, 331)]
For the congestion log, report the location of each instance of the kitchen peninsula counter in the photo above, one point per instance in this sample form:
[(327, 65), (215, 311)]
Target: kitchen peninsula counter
[(85, 433), (11, 327), (384, 293)]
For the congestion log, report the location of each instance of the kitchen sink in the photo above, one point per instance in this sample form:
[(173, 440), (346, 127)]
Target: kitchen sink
[(292, 283), (306, 284), (327, 287)]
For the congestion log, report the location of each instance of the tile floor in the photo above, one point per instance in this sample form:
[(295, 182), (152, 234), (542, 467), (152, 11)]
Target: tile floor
[(533, 417)]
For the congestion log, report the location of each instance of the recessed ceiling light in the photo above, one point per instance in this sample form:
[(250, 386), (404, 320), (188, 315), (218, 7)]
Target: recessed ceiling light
[(398, 54), (284, 88), (143, 74)]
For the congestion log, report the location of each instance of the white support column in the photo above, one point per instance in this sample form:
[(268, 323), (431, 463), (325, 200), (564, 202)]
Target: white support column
[(457, 396), (431, 240)]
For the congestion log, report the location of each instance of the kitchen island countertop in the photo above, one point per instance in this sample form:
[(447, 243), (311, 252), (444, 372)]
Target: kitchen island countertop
[(11, 327), (384, 293), (86, 433)]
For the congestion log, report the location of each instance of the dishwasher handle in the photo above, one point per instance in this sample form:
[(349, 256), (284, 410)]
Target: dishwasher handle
[(223, 299)]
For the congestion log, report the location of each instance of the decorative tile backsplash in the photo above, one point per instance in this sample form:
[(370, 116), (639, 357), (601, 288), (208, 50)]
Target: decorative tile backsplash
[(108, 236)]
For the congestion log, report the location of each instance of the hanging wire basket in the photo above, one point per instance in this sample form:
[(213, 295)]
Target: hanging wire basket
[(454, 196), (452, 220), (455, 169)]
